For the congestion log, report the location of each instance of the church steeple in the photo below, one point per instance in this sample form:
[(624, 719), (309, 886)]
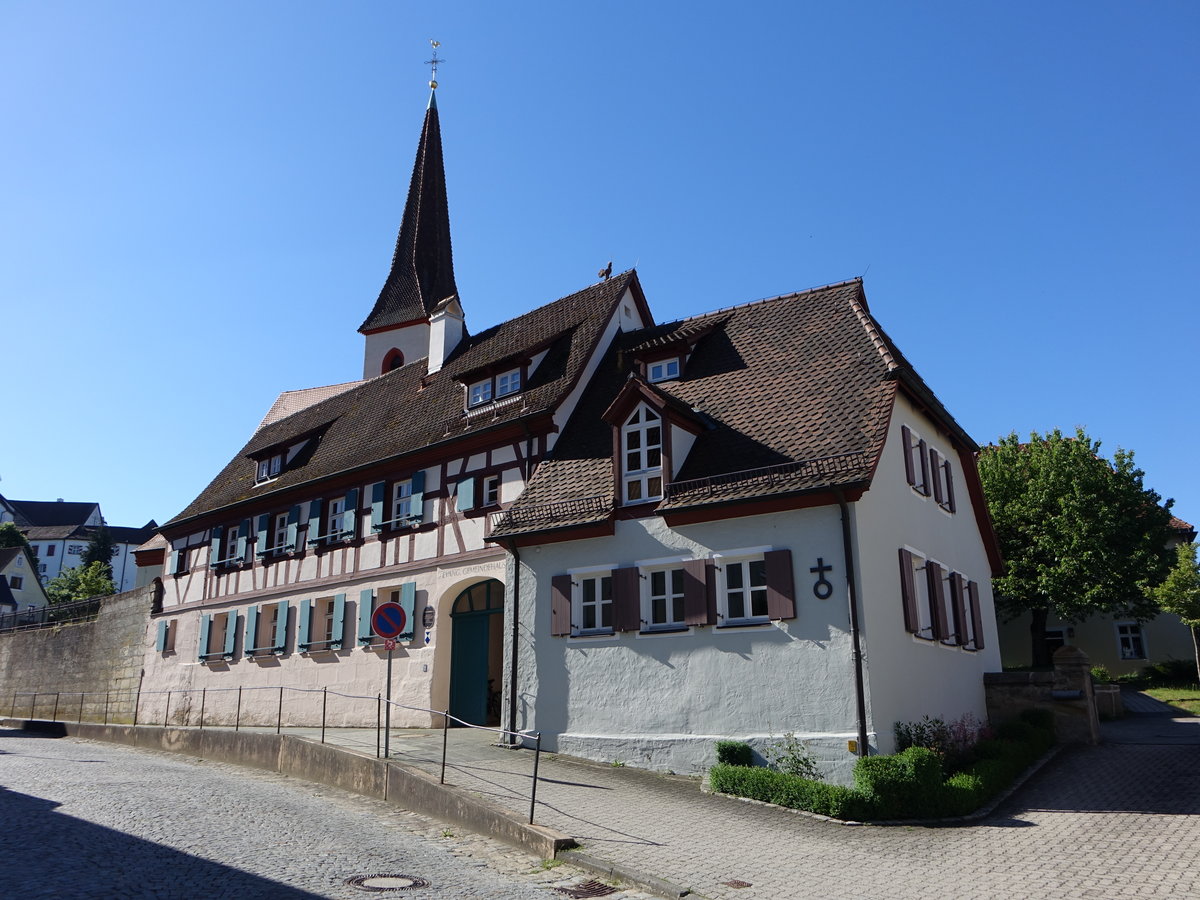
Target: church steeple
[(422, 273)]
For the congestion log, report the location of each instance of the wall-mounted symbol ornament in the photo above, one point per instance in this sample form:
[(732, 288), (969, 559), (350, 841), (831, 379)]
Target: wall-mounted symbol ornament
[(428, 636), (822, 587), (427, 617)]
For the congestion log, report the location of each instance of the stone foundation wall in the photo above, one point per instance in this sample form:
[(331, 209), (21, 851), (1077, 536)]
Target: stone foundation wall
[(1067, 692), (100, 660)]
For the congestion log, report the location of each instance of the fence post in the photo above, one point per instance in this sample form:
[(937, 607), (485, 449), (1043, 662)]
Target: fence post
[(167, 711), (378, 715), (237, 716), (203, 697), (12, 710), (80, 717), (537, 755), (54, 715), (279, 717), (137, 701), (324, 700), (33, 705), (107, 695), (445, 735)]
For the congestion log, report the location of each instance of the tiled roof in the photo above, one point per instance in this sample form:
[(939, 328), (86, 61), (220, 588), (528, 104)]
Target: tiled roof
[(55, 532), (405, 410), (47, 512), (422, 273), (7, 555), (798, 389), (1177, 524), (290, 402)]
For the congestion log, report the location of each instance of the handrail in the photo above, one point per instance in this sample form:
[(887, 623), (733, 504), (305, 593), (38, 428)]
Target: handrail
[(325, 692)]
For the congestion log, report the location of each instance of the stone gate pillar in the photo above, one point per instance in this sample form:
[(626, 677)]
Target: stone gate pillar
[(1075, 717)]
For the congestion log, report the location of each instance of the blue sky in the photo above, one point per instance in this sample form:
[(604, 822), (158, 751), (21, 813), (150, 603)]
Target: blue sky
[(200, 202)]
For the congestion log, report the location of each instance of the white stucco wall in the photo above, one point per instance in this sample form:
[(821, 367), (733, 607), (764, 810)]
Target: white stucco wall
[(412, 341), (661, 700), (909, 677)]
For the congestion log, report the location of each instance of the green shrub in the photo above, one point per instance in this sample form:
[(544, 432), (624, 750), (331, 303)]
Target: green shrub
[(1170, 673), (788, 790), (903, 786), (963, 793), (735, 753), (1101, 675), (1014, 730), (1039, 717), (792, 756)]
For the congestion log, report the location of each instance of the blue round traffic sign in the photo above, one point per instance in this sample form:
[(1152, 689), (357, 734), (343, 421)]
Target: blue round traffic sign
[(388, 620)]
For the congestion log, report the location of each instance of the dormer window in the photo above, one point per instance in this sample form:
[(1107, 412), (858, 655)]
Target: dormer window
[(664, 369), (641, 442), (502, 385), (270, 467)]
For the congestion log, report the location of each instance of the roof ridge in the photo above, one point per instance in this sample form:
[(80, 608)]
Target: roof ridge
[(871, 327), (789, 296)]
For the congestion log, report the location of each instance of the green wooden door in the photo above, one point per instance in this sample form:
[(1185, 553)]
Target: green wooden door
[(471, 651)]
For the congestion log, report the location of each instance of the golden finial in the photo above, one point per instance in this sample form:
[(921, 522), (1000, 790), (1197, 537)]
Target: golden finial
[(434, 62)]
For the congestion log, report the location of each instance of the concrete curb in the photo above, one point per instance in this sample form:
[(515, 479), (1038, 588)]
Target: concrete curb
[(626, 874), (325, 764)]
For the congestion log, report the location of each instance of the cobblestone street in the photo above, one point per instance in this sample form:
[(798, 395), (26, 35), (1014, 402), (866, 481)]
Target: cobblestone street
[(88, 819)]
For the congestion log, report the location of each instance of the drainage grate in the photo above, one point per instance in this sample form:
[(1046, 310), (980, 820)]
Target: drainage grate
[(588, 889), (379, 884), (736, 882)]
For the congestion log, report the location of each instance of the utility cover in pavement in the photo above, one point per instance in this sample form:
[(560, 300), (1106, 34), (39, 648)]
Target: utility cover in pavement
[(588, 889), (378, 884)]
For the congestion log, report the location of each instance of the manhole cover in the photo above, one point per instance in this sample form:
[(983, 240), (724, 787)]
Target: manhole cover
[(588, 889), (378, 884), (737, 882)]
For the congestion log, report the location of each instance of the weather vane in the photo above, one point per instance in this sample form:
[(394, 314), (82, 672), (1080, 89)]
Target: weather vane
[(434, 62)]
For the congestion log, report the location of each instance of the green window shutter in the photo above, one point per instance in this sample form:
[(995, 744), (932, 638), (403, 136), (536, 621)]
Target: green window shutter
[(250, 644), (408, 600), (418, 496), (173, 564), (339, 621), (264, 528), (350, 517), (466, 494), (303, 625), (378, 494), (160, 643), (281, 627), (214, 547), (202, 647), (314, 522), (230, 633), (365, 608), (293, 527), (243, 534)]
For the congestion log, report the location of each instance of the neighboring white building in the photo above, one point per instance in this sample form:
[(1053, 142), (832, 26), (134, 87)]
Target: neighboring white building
[(20, 589), (59, 532), (732, 492)]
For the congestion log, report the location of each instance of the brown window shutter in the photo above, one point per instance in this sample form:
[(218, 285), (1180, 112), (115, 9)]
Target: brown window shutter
[(695, 592), (937, 601), (781, 591), (923, 450), (958, 607), (976, 615), (949, 486), (935, 469), (908, 591), (710, 590), (627, 600), (906, 440), (560, 605)]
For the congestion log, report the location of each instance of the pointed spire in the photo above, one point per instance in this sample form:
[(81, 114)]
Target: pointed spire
[(422, 273)]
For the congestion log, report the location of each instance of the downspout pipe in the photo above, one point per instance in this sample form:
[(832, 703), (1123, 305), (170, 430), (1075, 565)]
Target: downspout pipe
[(860, 694), (512, 663)]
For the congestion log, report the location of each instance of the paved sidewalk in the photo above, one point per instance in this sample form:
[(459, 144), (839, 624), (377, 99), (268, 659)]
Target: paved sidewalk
[(1121, 819)]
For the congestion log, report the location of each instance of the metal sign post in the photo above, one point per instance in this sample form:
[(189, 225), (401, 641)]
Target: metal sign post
[(387, 621)]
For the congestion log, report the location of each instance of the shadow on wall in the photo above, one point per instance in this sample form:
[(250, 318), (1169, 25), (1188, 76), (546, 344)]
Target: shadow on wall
[(51, 854)]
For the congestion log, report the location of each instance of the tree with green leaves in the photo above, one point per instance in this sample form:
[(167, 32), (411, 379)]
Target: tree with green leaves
[(1080, 535), (100, 549), (80, 583), (1179, 593), (10, 536)]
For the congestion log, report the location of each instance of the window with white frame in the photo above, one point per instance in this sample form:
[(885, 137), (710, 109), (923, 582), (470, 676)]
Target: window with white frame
[(337, 518), (279, 532), (270, 467), (491, 490), (402, 500), (268, 620), (1130, 644), (231, 545), (742, 589), (323, 624), (508, 383), (479, 393), (593, 607), (664, 369), (662, 590), (641, 443)]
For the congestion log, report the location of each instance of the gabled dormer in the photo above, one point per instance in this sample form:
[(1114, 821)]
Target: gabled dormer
[(400, 328), (664, 357), (273, 460), (652, 435)]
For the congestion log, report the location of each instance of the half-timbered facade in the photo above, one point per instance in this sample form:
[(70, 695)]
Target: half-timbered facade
[(379, 490)]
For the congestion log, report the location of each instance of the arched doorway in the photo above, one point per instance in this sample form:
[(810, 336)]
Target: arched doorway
[(477, 652)]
